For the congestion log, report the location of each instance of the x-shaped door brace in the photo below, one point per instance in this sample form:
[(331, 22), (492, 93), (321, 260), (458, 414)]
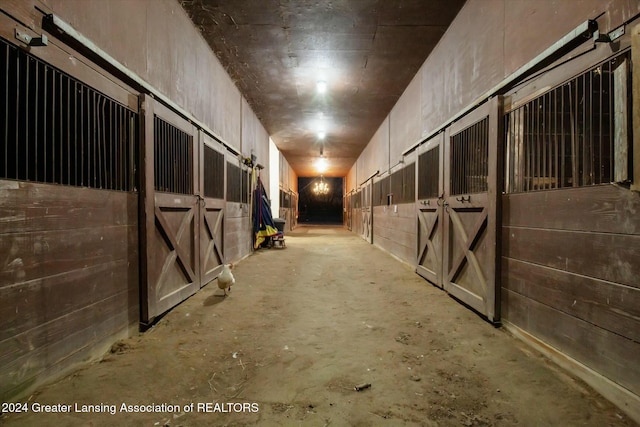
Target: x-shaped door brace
[(172, 242), (366, 224), (430, 229), (211, 246), (467, 244)]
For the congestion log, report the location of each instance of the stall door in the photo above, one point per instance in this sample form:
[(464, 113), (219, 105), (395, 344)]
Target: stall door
[(367, 213), (211, 208), (470, 209), (347, 211), (356, 214), (170, 226), (430, 210), (293, 216)]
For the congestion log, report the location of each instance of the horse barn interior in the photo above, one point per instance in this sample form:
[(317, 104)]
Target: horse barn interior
[(486, 265)]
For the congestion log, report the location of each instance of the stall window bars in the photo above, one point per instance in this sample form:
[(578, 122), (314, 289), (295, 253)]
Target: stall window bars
[(429, 173), (246, 185), (469, 159), (55, 129), (234, 183), (381, 191), (356, 200), (173, 158), (403, 186), (285, 199), (567, 137), (213, 173)]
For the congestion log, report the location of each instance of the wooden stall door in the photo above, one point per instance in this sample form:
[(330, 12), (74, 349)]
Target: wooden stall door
[(356, 215), (211, 208), (170, 262), (347, 211), (470, 209), (430, 211), (293, 197), (367, 213)]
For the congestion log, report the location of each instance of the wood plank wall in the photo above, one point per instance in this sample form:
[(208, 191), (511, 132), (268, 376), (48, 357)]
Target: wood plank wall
[(237, 231), (68, 280), (288, 184), (571, 274), (396, 230), (571, 264), (237, 223), (69, 284)]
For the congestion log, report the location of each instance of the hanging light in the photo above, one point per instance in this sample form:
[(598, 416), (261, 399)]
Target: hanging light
[(321, 187), (322, 164), (321, 86)]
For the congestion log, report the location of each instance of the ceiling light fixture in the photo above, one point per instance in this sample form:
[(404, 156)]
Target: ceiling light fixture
[(322, 165), (322, 134), (321, 187), (321, 86)]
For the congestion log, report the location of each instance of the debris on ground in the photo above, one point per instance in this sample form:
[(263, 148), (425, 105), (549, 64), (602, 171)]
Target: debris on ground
[(120, 347), (361, 387), (403, 338)]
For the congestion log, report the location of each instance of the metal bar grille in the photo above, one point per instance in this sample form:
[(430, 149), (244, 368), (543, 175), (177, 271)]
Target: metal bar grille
[(429, 173), (173, 158), (234, 183), (246, 185), (565, 137), (376, 193), (395, 186), (58, 130), (408, 184), (469, 159), (385, 190), (213, 173), (285, 200), (355, 200), (381, 189), (402, 185)]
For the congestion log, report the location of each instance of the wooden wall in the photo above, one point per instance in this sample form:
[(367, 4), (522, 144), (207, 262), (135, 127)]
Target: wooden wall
[(350, 181), (394, 230), (288, 178), (237, 231), (571, 274), (255, 140), (405, 121), (570, 260), (288, 184), (470, 59), (162, 31), (68, 280)]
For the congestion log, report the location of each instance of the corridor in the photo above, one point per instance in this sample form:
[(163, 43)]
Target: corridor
[(301, 328)]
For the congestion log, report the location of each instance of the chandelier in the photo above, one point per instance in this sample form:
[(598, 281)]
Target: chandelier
[(321, 187)]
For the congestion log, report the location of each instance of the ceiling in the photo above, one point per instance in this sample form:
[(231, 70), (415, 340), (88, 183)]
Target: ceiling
[(367, 52)]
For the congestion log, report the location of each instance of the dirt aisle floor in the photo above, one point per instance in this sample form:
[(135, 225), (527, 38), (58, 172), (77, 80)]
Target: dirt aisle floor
[(305, 324)]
